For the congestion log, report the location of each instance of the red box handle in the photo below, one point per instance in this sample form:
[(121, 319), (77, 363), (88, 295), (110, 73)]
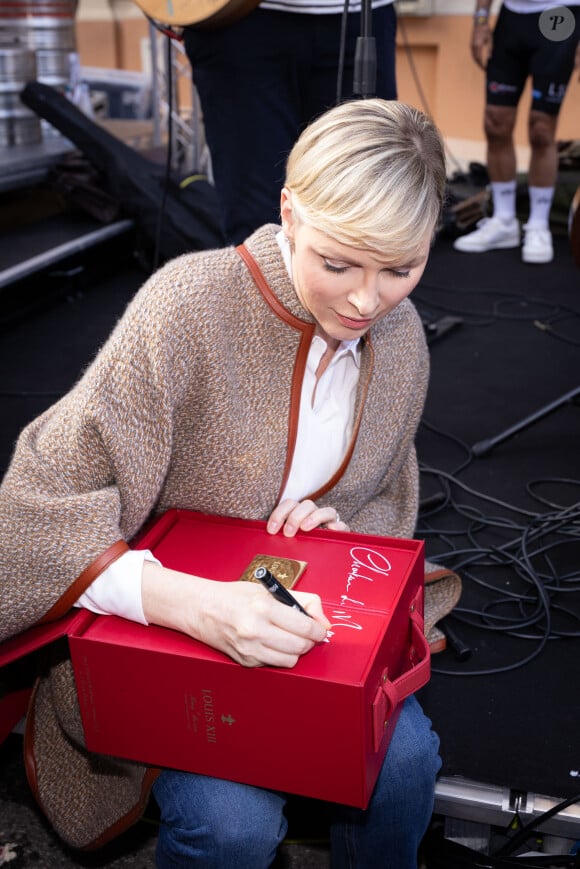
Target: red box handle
[(391, 693)]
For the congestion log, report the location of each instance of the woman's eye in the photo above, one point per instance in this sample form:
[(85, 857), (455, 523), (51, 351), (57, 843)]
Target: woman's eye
[(400, 274), (337, 270)]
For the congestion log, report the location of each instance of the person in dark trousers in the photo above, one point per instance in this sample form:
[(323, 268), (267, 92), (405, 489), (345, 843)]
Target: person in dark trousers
[(261, 79)]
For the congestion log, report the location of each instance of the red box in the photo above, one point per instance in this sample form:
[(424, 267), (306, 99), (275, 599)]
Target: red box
[(320, 729)]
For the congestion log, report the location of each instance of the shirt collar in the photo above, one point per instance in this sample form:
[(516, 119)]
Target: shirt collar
[(284, 246)]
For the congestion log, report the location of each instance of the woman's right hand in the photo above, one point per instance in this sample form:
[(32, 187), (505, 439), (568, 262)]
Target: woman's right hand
[(241, 619)]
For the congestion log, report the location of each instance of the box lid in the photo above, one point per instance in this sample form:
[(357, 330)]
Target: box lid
[(358, 571), (42, 635)]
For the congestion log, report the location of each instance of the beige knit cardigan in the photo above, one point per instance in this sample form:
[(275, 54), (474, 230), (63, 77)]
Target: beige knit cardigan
[(192, 403), (188, 405)]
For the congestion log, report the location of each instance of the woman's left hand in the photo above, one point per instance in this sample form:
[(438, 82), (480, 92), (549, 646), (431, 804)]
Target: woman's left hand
[(290, 516)]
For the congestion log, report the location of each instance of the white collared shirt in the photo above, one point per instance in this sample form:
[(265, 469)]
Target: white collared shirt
[(325, 425)]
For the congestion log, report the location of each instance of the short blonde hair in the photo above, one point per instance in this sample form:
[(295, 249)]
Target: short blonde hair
[(370, 174)]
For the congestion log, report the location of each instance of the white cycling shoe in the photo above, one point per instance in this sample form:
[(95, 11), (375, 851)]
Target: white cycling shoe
[(492, 233), (537, 246)]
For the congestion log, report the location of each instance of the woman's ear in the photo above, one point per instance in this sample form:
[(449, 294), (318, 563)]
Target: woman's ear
[(287, 213)]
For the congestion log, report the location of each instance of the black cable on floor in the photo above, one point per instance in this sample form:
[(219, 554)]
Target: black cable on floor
[(507, 557), (501, 305)]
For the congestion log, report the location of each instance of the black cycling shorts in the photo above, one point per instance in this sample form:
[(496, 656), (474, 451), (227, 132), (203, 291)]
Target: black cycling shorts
[(521, 50)]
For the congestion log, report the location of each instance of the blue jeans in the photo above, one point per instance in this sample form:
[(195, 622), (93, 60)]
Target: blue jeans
[(211, 823)]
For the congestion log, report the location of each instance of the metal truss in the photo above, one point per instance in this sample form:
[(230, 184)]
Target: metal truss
[(176, 103)]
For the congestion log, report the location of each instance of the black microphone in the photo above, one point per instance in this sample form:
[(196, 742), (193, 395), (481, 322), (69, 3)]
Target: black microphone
[(365, 66), (365, 56)]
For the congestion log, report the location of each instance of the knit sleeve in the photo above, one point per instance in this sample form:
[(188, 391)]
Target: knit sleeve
[(393, 509), (87, 472), (393, 415)]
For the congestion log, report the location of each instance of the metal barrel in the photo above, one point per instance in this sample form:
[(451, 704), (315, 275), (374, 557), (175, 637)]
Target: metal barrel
[(45, 24), (18, 124), (47, 27)]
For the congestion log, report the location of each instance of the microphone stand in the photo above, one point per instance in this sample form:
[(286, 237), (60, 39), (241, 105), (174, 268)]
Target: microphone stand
[(483, 447), (365, 58)]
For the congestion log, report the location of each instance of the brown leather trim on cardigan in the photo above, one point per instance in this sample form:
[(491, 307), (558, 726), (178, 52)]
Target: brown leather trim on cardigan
[(307, 330), (123, 823), (269, 296), (130, 817), (29, 759), (348, 455), (435, 575), (82, 582)]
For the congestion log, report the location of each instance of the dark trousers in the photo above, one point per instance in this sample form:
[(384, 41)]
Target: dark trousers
[(260, 81)]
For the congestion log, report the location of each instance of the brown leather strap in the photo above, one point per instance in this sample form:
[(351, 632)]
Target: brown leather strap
[(307, 330), (272, 300), (82, 582)]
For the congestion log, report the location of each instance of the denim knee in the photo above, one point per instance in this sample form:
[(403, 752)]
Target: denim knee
[(400, 808), (413, 760), (216, 823)]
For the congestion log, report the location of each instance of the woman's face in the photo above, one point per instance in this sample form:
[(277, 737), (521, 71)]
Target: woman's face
[(345, 289)]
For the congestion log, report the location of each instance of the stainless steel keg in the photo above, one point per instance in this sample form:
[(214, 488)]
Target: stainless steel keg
[(47, 27), (18, 124)]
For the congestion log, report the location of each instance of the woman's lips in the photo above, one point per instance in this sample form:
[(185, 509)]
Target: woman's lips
[(353, 323)]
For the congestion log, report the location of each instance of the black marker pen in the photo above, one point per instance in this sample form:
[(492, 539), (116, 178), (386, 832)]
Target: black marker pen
[(276, 588)]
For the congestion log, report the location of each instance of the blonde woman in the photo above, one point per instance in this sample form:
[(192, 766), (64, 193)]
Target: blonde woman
[(283, 380)]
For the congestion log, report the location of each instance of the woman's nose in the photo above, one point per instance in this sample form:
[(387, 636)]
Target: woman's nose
[(365, 297)]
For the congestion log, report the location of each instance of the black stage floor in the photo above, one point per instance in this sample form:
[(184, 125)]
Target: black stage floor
[(510, 518), (505, 517)]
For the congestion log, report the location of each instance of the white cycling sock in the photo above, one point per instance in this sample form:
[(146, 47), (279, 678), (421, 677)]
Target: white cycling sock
[(503, 194), (540, 204)]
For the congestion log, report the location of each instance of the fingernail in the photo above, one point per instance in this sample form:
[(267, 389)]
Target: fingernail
[(273, 527)]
